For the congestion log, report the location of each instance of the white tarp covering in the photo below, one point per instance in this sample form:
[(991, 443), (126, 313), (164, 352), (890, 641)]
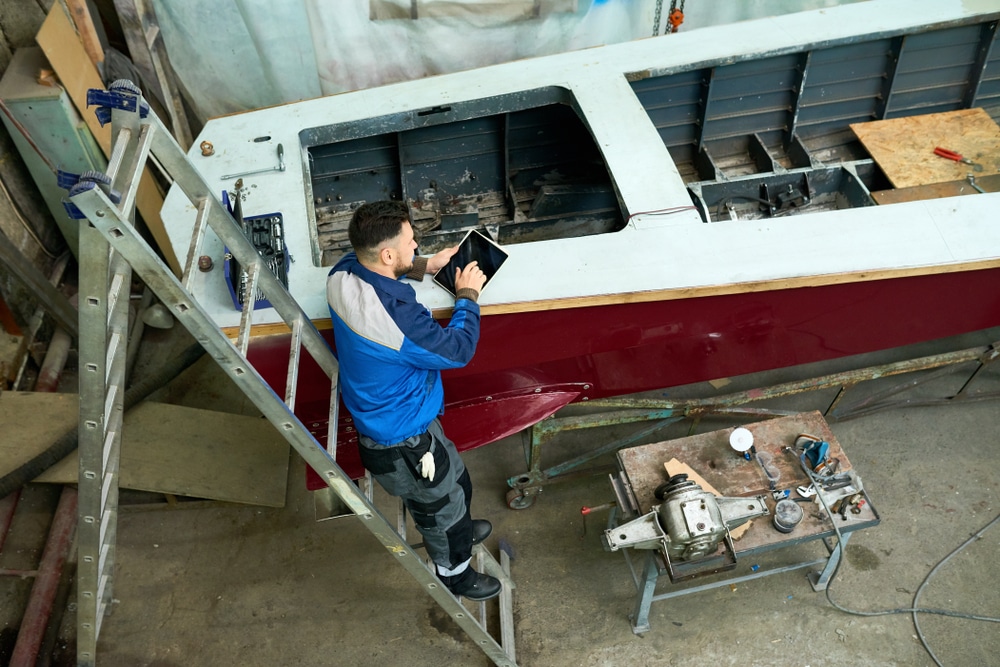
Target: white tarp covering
[(235, 55)]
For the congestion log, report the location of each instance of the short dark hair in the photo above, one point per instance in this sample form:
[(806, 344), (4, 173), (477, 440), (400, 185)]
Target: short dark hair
[(375, 223)]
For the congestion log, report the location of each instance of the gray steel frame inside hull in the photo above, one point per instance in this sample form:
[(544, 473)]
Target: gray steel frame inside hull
[(526, 487)]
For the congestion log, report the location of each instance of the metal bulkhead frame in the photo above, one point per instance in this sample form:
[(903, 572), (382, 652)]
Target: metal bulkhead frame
[(110, 249)]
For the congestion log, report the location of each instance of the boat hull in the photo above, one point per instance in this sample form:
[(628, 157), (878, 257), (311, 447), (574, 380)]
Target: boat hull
[(530, 364)]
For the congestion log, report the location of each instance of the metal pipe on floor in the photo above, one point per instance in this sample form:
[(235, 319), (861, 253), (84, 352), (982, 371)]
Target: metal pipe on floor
[(43, 591), (7, 506), (38, 318), (54, 362)]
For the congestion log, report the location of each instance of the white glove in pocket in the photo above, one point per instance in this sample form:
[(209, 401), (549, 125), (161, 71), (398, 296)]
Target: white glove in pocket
[(427, 466)]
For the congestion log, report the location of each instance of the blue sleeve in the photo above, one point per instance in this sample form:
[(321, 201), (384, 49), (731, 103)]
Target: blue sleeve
[(429, 345)]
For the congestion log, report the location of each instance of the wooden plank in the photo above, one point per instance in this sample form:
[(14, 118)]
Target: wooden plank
[(135, 37), (165, 448), (904, 147), (937, 190), (85, 28), (69, 59), (142, 32)]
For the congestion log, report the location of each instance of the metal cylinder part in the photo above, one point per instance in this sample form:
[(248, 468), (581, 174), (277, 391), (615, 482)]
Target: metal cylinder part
[(692, 519), (787, 515)]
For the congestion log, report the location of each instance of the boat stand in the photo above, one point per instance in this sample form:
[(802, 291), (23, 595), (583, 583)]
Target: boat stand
[(525, 488)]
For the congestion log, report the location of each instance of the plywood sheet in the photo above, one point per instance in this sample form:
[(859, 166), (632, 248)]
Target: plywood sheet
[(904, 147), (165, 448)]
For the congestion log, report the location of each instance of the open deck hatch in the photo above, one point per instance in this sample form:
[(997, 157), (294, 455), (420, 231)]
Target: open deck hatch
[(520, 167), (771, 135)]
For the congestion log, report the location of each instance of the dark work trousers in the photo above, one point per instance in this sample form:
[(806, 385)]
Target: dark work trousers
[(440, 507)]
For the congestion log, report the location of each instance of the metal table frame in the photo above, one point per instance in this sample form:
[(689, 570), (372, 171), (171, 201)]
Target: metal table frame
[(653, 568)]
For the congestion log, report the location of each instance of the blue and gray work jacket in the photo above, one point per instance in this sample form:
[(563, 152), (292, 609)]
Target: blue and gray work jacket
[(391, 350)]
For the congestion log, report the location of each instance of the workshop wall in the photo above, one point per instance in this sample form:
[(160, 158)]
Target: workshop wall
[(235, 55)]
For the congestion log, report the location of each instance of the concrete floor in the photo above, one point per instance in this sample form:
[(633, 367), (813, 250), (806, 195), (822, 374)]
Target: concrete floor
[(214, 584)]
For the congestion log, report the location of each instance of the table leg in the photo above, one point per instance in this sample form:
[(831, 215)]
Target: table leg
[(647, 586), (820, 580)]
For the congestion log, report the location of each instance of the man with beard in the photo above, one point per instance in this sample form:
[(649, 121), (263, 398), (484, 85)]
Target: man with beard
[(391, 352)]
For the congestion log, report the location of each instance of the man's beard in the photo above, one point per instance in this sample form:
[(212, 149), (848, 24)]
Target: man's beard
[(401, 269)]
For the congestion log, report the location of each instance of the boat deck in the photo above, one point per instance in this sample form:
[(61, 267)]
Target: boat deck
[(686, 128)]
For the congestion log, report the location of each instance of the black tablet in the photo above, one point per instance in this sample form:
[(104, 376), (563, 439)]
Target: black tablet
[(475, 247)]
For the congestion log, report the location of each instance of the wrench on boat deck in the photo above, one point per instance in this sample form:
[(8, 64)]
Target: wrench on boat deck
[(952, 155), (280, 167), (972, 182)]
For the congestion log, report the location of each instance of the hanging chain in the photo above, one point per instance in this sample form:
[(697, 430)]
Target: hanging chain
[(656, 17)]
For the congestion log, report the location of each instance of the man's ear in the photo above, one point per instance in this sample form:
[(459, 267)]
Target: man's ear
[(385, 255)]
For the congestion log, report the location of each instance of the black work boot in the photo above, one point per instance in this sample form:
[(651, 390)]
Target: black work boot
[(473, 585), (481, 529)]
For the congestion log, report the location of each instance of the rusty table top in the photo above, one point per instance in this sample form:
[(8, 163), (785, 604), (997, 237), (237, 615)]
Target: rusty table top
[(711, 456)]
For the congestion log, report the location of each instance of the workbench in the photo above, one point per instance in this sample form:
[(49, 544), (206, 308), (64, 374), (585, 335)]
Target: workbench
[(710, 455)]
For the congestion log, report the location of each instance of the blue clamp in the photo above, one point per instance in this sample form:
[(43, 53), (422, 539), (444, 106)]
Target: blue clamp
[(85, 181), (121, 94), (66, 179)]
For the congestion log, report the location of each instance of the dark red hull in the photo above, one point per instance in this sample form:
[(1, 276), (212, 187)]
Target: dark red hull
[(528, 365)]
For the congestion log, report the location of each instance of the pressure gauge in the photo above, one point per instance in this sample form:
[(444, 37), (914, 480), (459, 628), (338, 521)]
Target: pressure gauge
[(741, 440)]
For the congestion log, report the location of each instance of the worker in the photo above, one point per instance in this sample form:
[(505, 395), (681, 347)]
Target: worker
[(391, 352)]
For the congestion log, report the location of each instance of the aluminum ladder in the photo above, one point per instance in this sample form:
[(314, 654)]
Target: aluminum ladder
[(110, 248)]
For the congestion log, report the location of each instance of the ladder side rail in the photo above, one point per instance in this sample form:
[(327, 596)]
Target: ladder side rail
[(104, 317), (95, 204), (93, 282), (169, 153)]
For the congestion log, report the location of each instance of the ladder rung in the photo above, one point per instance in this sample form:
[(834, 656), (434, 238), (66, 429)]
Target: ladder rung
[(101, 587), (507, 611), (109, 402), (115, 292), (109, 481), (104, 559), (294, 356), (333, 418), (194, 250), (114, 341), (109, 446), (122, 140), (106, 521), (146, 133), (480, 563), (249, 297)]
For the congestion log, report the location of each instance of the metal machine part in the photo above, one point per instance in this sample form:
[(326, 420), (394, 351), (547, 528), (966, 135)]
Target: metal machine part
[(787, 515), (689, 524)]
